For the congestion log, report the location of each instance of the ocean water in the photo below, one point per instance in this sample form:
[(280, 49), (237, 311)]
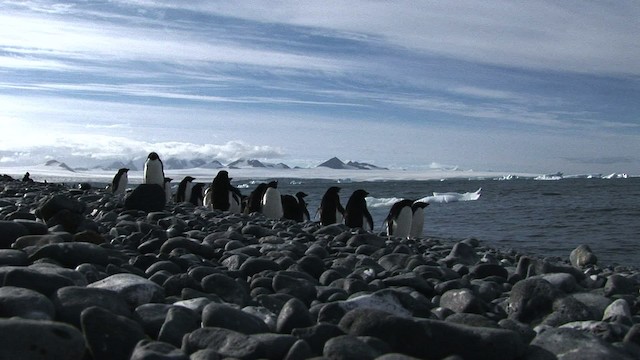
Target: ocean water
[(545, 218)]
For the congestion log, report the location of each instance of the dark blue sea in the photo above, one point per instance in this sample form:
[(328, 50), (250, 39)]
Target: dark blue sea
[(545, 218)]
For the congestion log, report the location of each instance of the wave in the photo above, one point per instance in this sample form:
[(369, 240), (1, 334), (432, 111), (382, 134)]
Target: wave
[(446, 197)]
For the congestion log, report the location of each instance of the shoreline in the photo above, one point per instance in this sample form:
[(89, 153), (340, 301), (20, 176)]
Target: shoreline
[(197, 283)]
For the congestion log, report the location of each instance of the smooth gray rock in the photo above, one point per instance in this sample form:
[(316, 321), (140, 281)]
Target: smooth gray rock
[(109, 336), (531, 299), (462, 301), (582, 256), (572, 344), (432, 338), (135, 289), (348, 347), (10, 231), (27, 339), (225, 342), (178, 322), (294, 314), (70, 301), (157, 350), (25, 303), (73, 254), (227, 317)]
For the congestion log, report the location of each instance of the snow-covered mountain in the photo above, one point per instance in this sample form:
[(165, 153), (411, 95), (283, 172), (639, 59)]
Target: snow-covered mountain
[(251, 163), (335, 163)]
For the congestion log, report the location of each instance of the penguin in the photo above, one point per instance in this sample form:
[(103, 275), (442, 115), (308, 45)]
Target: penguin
[(196, 195), (167, 190), (255, 198), (218, 195), (294, 207), (399, 220), (302, 205), (356, 214), (183, 194), (153, 170), (331, 211), (120, 181), (271, 202), (417, 221), (235, 199)]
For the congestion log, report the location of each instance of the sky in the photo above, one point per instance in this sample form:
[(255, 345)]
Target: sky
[(535, 86)]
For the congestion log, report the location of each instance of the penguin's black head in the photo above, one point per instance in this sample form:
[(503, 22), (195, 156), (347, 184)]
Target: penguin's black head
[(153, 156), (273, 184), (123, 170), (301, 194), (360, 193), (166, 180)]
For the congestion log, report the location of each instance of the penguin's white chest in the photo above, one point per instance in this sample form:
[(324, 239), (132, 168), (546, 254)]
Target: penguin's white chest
[(272, 204), (417, 223), (153, 173), (123, 182), (402, 223)]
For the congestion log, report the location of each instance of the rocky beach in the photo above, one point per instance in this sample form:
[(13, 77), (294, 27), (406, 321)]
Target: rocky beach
[(87, 274)]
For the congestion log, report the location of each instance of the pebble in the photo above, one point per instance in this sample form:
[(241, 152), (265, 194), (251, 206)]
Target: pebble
[(97, 277)]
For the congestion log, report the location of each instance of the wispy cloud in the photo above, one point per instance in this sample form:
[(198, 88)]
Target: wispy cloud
[(406, 81)]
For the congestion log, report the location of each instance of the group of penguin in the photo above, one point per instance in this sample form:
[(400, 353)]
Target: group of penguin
[(405, 218)]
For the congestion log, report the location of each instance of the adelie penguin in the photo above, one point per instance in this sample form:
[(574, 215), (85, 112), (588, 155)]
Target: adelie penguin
[(272, 202), (197, 191), (417, 221), (356, 214), (331, 211), (399, 220), (254, 201), (183, 194), (294, 207), (221, 195), (153, 170), (120, 181), (167, 190)]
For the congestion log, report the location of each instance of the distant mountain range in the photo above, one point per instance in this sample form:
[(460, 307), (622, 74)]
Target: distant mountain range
[(178, 164)]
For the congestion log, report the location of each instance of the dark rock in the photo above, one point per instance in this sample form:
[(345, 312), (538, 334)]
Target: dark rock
[(58, 203), (411, 280), (31, 278), (227, 317), (472, 320), (37, 240), (70, 301), (482, 271), (13, 257), (531, 299), (254, 265), (66, 219), (462, 301), (462, 253), (312, 265), (619, 285), (348, 347), (297, 287), (152, 317), (135, 289), (366, 239), (300, 350), (582, 256), (317, 335), (179, 321), (10, 231), (294, 314), (33, 339), (567, 309), (109, 336), (276, 345), (157, 350), (433, 338), (226, 288), (33, 227), (567, 343), (73, 254), (146, 197), (25, 303), (225, 342)]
